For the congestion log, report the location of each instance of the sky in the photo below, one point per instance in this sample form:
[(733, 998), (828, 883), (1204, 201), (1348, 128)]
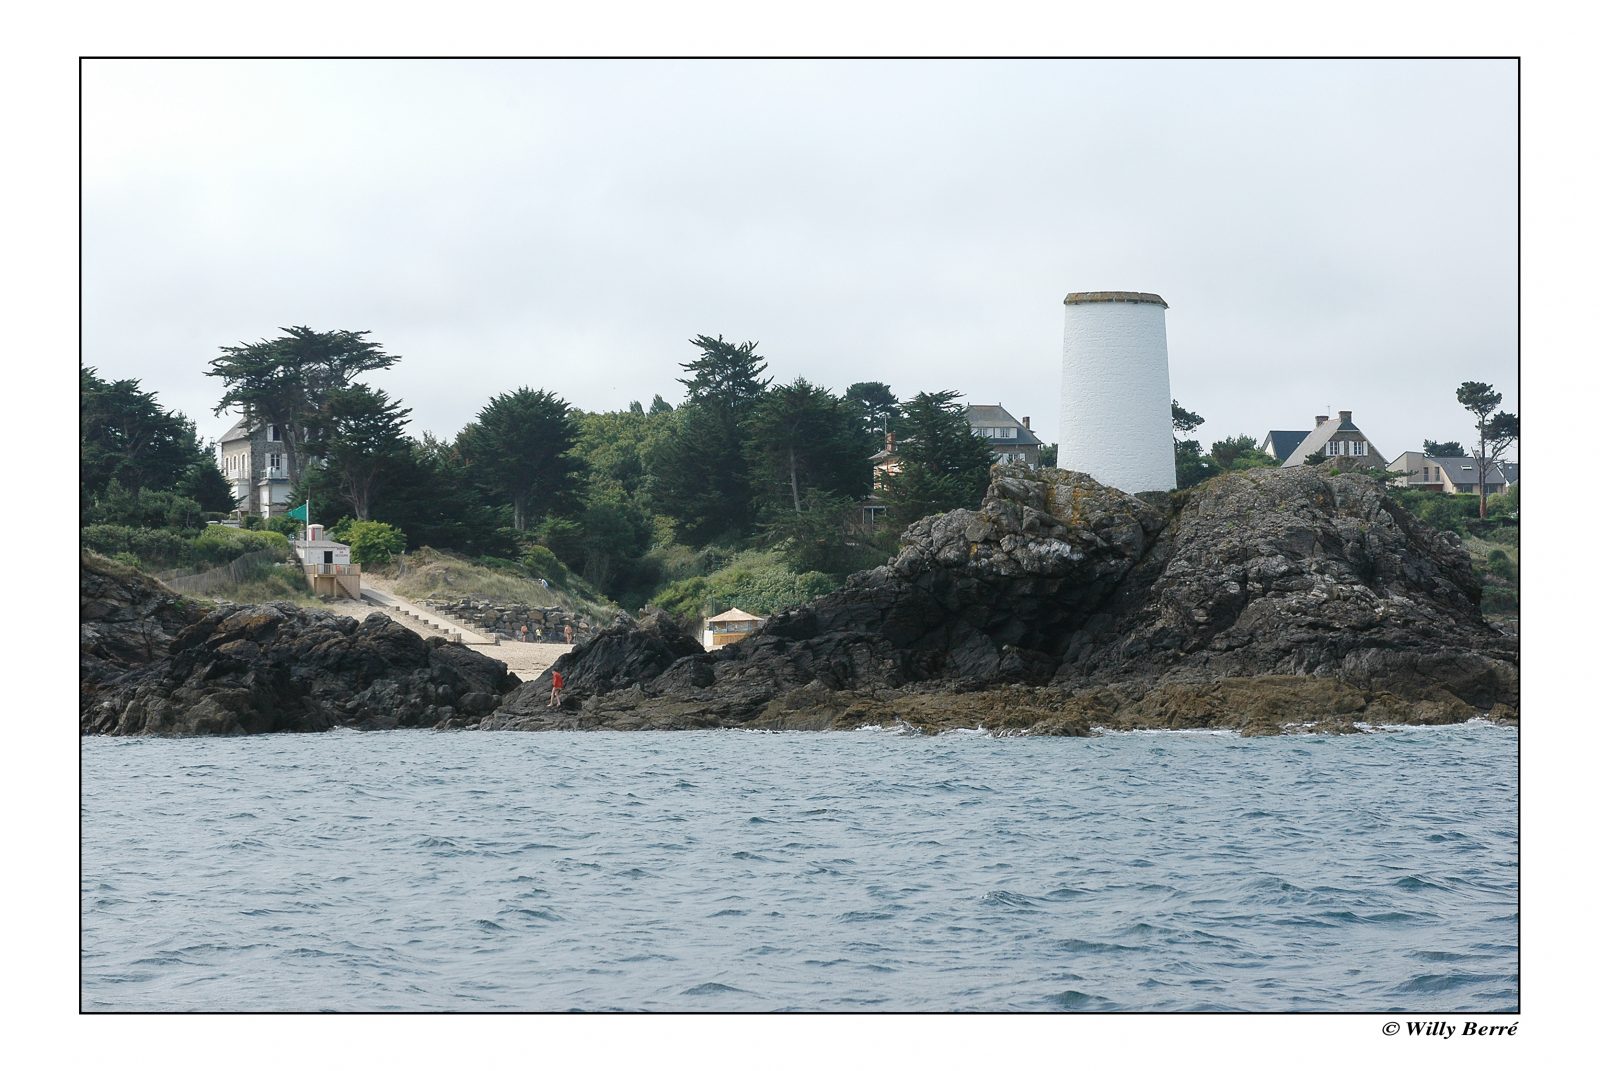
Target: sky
[(1328, 234)]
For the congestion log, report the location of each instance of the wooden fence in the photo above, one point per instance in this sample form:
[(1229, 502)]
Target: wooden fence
[(242, 568)]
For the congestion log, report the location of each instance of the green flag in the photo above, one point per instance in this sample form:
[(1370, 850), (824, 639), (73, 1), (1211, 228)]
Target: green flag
[(303, 513)]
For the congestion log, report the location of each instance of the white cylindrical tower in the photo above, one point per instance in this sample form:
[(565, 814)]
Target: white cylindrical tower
[(1116, 397)]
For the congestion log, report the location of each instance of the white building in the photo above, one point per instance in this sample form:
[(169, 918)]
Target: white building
[(1116, 396), (327, 564)]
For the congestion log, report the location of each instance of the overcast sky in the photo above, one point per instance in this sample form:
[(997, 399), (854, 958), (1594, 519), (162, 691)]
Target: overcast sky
[(1329, 235)]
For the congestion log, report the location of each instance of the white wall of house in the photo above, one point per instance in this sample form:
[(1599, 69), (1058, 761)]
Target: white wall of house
[(316, 551)]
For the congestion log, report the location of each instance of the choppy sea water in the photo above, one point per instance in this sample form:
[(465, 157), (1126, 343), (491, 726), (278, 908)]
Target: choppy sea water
[(737, 871)]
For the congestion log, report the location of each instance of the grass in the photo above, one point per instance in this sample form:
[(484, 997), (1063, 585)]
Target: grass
[(435, 574)]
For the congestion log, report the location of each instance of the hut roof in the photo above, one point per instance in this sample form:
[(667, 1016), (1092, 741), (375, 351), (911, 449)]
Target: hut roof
[(734, 614)]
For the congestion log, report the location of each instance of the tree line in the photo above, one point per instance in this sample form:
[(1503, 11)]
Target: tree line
[(742, 463)]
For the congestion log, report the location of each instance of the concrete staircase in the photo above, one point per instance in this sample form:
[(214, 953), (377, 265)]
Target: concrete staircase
[(455, 631)]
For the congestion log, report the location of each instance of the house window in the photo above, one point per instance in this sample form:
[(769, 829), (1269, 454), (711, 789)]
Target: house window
[(1359, 447), (274, 461), (272, 434), (1005, 433)]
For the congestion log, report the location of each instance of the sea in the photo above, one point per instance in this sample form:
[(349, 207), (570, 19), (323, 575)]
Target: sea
[(867, 871)]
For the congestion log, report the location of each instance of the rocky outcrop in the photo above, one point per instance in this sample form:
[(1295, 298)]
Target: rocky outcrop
[(270, 668), (1263, 598), (126, 620)]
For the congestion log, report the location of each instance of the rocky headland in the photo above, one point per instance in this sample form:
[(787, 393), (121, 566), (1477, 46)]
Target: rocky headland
[(1261, 601), (154, 663)]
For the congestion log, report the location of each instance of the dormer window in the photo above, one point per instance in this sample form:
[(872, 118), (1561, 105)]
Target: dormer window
[(274, 433)]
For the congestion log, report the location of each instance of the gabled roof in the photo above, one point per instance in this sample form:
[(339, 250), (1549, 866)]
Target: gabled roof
[(1314, 441), (1318, 437), (1280, 444), (995, 416), (1512, 470), (242, 429)]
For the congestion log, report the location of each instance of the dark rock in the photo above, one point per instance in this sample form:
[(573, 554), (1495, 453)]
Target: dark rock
[(1261, 599), (271, 668)]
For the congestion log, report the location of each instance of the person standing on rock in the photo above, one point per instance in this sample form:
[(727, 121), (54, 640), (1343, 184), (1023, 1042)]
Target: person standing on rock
[(556, 684), (567, 632)]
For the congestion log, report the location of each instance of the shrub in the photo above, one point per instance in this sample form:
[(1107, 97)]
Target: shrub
[(541, 562), (373, 542), (220, 544), (147, 547), (145, 509), (761, 583)]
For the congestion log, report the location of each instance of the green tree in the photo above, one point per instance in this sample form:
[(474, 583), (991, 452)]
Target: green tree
[(1183, 420), (371, 542), (825, 535), (876, 407), (125, 437), (290, 380), (805, 438), (698, 475), (1445, 449), (206, 484), (1496, 433), (725, 378), (699, 469), (1190, 465), (659, 405), (431, 496), (1238, 453), (520, 446), (360, 436), (944, 466), (1048, 454)]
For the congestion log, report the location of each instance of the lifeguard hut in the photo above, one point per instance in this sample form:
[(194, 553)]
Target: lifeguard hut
[(730, 627), (327, 564)]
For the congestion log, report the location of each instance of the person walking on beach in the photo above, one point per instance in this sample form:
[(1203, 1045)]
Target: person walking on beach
[(524, 633), (567, 632), (556, 684)]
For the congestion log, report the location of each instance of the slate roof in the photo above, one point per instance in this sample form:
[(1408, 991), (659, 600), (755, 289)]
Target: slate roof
[(995, 416), (1465, 470), (1282, 443), (242, 429)]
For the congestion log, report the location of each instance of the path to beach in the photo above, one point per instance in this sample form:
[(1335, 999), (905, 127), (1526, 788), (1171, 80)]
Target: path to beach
[(526, 660)]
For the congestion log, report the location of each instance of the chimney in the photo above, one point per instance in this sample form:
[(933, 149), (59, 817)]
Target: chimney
[(888, 442), (1026, 424), (1344, 415), (1320, 419)]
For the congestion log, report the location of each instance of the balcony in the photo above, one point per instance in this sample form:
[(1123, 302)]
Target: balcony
[(332, 569)]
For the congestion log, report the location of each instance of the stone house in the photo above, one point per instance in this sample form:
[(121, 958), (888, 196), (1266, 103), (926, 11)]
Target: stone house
[(255, 462), (1337, 439)]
